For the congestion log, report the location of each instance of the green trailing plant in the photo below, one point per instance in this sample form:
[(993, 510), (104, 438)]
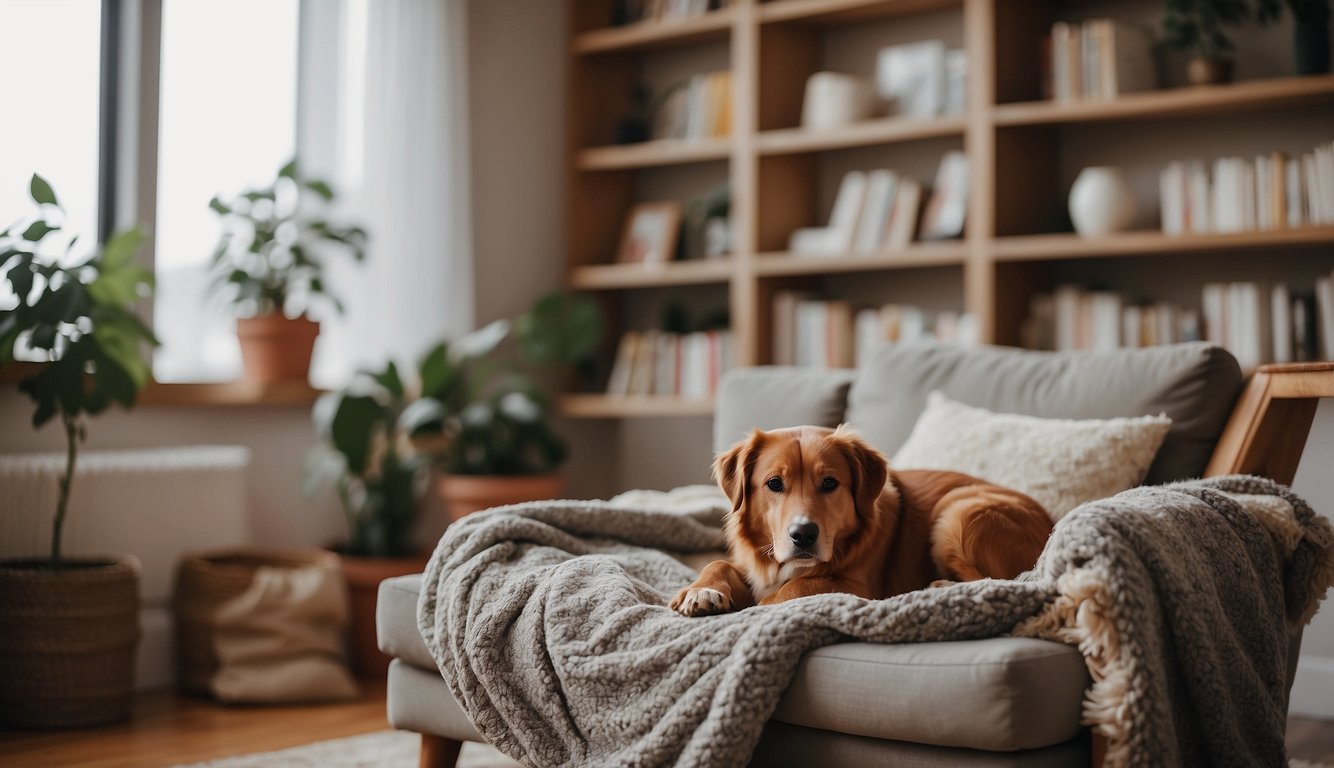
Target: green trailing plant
[(471, 410), (271, 256), (77, 316), (1198, 27)]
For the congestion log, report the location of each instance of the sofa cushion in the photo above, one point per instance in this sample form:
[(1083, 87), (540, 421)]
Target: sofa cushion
[(419, 701), (771, 398), (1194, 385), (396, 621), (999, 694), (1003, 693)]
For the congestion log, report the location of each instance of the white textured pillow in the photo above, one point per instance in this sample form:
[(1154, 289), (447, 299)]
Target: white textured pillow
[(1061, 463)]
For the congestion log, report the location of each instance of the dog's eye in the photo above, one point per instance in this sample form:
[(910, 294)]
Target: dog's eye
[(828, 484), (775, 484)]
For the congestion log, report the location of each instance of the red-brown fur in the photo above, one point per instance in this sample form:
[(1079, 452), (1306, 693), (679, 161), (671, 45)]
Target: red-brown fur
[(881, 532)]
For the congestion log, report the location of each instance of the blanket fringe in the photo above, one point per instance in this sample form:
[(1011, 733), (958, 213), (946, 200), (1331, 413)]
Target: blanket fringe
[(1081, 616)]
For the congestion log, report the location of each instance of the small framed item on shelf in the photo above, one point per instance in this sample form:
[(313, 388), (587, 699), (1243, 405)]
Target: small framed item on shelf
[(651, 232)]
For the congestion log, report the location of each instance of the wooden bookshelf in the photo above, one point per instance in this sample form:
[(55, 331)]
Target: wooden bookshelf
[(1023, 155)]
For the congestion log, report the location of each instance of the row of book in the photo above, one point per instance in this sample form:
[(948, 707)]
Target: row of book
[(698, 108), (1270, 192), (1258, 323), (876, 211), (1098, 59), (832, 334), (670, 364)]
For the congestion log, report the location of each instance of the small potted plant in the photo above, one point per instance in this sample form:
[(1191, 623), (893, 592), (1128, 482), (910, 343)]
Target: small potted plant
[(269, 265), (69, 626), (486, 422), (1196, 27)]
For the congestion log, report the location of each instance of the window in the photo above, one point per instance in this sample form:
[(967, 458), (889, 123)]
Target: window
[(227, 121), (50, 74)]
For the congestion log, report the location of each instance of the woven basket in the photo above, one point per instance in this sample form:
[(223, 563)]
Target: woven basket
[(67, 642), (203, 583)]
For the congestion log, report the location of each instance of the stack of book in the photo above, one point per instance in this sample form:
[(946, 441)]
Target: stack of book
[(1074, 319), (1257, 323), (670, 364), (874, 211), (698, 108), (1099, 59), (831, 334), (1270, 192)]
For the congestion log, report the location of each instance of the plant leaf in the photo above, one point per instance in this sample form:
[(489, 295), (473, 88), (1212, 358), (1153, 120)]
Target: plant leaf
[(38, 230), (390, 380), (41, 191), (352, 429), (219, 207), (288, 171), (320, 188)]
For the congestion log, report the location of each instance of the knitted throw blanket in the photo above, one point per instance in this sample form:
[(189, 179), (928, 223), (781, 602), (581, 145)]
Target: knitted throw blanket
[(549, 624)]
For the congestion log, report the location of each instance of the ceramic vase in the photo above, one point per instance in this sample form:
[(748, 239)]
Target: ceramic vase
[(1102, 201)]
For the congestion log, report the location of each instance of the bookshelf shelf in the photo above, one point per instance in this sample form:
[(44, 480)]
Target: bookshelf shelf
[(951, 254), (613, 276), (841, 11), (1069, 246), (654, 153), (871, 132), (656, 34), (617, 407), (1174, 103)]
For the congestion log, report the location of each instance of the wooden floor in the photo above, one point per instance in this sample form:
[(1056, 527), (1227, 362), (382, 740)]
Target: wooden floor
[(168, 729)]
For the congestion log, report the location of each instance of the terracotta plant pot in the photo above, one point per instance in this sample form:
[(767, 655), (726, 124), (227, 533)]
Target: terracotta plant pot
[(465, 494), (1208, 71), (67, 642), (276, 348), (364, 575)]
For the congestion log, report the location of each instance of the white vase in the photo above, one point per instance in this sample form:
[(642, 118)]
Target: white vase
[(1102, 201)]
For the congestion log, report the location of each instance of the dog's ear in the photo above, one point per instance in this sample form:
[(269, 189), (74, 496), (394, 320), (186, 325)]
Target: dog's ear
[(731, 468), (869, 468)]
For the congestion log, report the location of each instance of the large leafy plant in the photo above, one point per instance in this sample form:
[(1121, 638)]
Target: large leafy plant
[(1197, 26), (471, 410), (271, 256), (78, 316)]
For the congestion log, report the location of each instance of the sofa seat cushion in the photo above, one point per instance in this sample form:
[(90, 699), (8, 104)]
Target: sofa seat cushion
[(1003, 693), (396, 621), (998, 694), (1194, 385)]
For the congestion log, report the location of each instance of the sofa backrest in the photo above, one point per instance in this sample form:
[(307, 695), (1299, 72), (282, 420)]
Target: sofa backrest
[(1193, 384)]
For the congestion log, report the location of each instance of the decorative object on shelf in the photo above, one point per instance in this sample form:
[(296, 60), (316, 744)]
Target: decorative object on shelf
[(1098, 59), (913, 78), (269, 267), (1196, 27), (1310, 36), (634, 127), (650, 234), (69, 627), (1102, 201), (708, 226), (944, 215), (262, 626), (698, 108), (833, 100)]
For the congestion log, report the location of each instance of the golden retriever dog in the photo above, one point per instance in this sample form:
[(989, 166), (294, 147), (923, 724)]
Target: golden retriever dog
[(818, 510)]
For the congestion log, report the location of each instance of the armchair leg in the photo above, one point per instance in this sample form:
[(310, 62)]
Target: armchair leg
[(439, 752)]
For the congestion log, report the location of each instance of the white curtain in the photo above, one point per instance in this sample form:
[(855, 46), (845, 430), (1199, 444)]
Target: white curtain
[(396, 146)]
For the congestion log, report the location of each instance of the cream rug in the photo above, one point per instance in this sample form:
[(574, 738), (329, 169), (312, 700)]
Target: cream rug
[(398, 749), (382, 749)]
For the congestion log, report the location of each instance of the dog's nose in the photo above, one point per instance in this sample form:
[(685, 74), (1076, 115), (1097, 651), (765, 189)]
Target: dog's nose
[(804, 534)]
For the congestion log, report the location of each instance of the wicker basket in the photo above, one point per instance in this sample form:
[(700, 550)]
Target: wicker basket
[(67, 642), (204, 582)]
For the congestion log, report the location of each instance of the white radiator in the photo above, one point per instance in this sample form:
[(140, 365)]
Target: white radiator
[(153, 504)]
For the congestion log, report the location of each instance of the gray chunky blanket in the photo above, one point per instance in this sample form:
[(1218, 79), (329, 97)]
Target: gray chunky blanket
[(549, 624)]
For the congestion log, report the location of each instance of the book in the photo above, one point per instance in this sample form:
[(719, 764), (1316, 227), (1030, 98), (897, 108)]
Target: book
[(1280, 305), (903, 217), (1324, 300), (876, 210), (944, 215), (619, 382), (641, 371), (847, 211)]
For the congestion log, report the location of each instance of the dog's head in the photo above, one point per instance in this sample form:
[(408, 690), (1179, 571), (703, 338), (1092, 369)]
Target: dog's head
[(801, 494)]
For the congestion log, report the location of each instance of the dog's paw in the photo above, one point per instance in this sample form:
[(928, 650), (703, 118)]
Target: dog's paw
[(701, 601), (938, 583)]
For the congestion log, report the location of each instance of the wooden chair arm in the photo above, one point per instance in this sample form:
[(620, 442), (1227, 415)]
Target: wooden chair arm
[(1267, 431)]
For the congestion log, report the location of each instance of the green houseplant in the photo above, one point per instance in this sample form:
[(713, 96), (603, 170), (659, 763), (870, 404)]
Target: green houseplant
[(269, 266), (1197, 28), (68, 627)]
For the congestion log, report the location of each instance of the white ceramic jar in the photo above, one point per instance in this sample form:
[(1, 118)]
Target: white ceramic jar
[(1102, 201)]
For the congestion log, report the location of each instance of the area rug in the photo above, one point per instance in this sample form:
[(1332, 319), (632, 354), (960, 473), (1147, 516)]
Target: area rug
[(382, 749)]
